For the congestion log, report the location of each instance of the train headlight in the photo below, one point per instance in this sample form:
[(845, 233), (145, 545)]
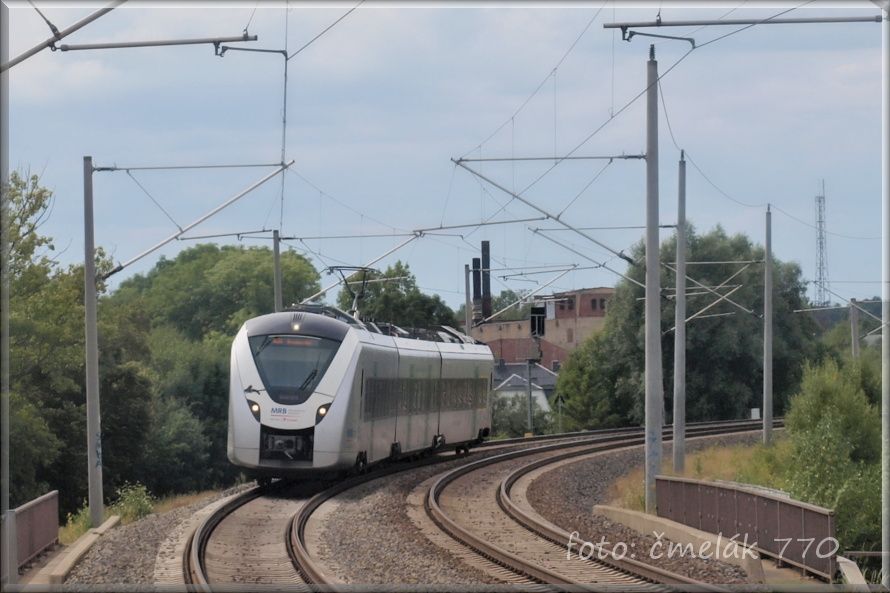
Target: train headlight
[(254, 409), (321, 413)]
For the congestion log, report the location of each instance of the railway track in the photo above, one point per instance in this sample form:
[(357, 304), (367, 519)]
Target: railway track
[(472, 504), (259, 535)]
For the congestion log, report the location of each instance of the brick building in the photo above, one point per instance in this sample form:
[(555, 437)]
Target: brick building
[(571, 318)]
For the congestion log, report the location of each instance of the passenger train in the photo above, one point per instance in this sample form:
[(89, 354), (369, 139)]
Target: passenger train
[(316, 389)]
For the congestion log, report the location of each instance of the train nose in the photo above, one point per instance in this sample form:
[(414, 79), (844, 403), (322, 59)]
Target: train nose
[(282, 444)]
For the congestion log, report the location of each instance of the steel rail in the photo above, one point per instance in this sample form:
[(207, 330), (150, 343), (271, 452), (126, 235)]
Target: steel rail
[(560, 536), (193, 560), (193, 567), (601, 431), (521, 566)]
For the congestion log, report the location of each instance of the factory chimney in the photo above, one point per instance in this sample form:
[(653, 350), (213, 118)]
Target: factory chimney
[(486, 279)]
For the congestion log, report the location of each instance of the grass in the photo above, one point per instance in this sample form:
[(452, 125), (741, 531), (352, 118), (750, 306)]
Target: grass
[(168, 503), (738, 463), (131, 506)]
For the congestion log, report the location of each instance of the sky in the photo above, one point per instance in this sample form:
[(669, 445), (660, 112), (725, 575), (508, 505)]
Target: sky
[(379, 106)]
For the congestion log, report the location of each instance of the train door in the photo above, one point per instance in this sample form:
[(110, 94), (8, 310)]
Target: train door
[(419, 363), (379, 399)]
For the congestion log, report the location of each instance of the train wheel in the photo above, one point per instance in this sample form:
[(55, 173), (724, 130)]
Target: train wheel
[(361, 463)]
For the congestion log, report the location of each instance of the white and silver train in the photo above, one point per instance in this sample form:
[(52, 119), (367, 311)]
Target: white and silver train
[(318, 390)]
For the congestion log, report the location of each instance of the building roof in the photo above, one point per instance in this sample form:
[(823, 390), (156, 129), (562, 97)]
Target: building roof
[(541, 376)]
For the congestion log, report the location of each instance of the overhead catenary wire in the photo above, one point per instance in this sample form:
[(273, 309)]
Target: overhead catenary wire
[(731, 198), (573, 267), (643, 92), (606, 157), (250, 20), (239, 235), (325, 194), (590, 259), (51, 42), (852, 304), (524, 297), (53, 29), (542, 83), (605, 228), (325, 290), (201, 219), (585, 188), (550, 215), (152, 198), (176, 167), (325, 30), (714, 291)]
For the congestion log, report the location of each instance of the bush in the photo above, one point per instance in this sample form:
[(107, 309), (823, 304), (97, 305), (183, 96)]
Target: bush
[(509, 416), (836, 446), (830, 391), (76, 524), (133, 502)]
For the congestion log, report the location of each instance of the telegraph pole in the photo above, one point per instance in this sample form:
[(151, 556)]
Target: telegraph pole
[(768, 333), (276, 254), (885, 297), (8, 553), (884, 5), (94, 428), (854, 329), (680, 328), (528, 373), (654, 388)]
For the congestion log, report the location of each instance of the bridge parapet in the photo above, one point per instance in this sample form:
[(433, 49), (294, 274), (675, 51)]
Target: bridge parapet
[(793, 532)]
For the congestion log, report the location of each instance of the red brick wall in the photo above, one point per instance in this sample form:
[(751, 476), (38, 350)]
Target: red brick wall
[(587, 309), (519, 349), (565, 309)]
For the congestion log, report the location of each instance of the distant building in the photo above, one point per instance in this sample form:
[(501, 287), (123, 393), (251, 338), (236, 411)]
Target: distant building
[(511, 378), (571, 317)]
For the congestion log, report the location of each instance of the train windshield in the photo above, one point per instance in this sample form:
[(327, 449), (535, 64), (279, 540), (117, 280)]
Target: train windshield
[(291, 366)]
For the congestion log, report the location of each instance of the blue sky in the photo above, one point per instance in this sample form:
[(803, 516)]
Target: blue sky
[(379, 105)]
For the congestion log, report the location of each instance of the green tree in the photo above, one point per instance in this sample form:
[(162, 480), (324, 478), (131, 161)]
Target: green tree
[(603, 382), (35, 448), (836, 448), (196, 374), (210, 288), (177, 449), (397, 300), (509, 416), (505, 298)]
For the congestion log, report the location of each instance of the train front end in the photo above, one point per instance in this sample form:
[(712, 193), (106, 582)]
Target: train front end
[(286, 369)]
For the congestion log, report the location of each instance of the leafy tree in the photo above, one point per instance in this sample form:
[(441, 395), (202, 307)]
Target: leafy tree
[(398, 300), (177, 449), (509, 416), (196, 373), (211, 288), (35, 449), (125, 392), (836, 448), (603, 382), (47, 363), (833, 393)]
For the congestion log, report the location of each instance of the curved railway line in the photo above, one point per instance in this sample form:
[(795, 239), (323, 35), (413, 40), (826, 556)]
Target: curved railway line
[(259, 535)]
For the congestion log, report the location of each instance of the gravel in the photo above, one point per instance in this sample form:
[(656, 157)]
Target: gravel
[(126, 554), (587, 482), (372, 524), (384, 546)]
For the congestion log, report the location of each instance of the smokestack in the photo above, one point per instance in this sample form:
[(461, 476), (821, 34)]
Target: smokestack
[(477, 290), (486, 279)]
